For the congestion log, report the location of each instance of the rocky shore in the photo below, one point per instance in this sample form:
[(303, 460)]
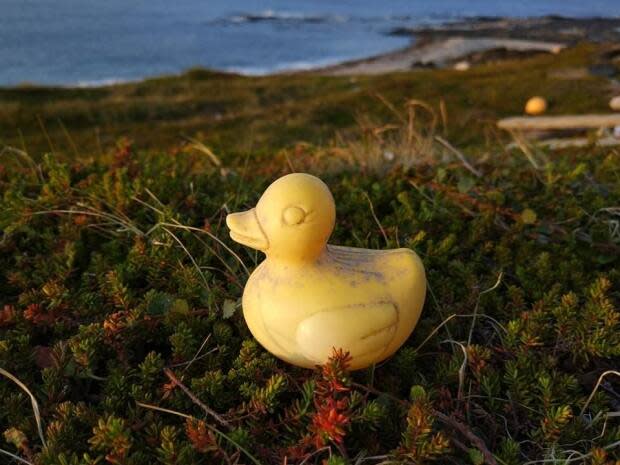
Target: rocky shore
[(476, 40)]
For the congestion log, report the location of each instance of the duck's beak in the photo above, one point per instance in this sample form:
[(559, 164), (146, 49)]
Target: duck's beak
[(245, 229)]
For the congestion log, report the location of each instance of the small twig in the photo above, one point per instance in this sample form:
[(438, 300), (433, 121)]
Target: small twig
[(469, 434), (171, 376)]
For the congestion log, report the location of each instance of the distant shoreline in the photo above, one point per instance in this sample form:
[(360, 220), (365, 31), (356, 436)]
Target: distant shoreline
[(458, 43), (462, 43)]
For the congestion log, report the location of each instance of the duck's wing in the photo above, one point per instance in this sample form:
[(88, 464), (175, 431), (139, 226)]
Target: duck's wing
[(364, 330)]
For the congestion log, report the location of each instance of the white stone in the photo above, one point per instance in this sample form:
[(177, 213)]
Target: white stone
[(614, 103)]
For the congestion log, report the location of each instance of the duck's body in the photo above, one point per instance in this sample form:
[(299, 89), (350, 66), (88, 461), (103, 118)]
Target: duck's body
[(301, 307), (363, 301)]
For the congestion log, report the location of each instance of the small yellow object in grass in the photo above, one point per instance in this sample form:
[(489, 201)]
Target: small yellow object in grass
[(536, 106), (528, 216), (309, 297)]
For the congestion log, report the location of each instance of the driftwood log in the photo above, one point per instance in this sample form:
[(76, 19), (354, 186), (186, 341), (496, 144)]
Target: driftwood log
[(558, 144), (538, 123)]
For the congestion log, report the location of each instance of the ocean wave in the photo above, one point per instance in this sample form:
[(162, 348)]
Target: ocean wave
[(102, 82), (295, 17), (287, 66)]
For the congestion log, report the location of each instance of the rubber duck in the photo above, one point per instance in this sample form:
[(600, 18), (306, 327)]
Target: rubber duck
[(536, 106), (308, 297)]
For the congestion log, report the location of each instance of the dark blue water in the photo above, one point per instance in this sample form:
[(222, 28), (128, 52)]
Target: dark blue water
[(97, 41)]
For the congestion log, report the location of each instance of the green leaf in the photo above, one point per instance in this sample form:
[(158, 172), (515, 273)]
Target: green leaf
[(475, 456), (417, 392), (159, 304), (465, 184), (229, 308), (528, 216), (180, 306)]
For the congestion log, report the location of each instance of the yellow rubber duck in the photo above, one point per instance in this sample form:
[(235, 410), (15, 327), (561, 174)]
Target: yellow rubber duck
[(308, 297)]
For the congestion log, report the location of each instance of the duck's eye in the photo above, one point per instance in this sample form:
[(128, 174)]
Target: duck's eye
[(293, 215)]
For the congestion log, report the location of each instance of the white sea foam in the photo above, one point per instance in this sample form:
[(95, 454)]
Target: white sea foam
[(101, 82), (283, 16), (288, 66)]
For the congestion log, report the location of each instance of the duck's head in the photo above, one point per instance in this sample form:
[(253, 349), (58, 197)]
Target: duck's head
[(292, 221)]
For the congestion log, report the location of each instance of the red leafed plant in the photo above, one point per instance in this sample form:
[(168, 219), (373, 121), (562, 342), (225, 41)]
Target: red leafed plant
[(331, 400), (37, 315), (7, 315), (202, 439)]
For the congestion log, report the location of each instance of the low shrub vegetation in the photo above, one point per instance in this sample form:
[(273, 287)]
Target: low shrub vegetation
[(122, 340)]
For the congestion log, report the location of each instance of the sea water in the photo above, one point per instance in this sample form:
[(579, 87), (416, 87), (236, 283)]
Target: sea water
[(90, 42)]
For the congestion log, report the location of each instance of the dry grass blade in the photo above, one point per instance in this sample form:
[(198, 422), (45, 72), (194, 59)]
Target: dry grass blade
[(24, 155), (462, 428), (598, 383), (175, 224), (191, 257), (459, 155), (15, 457), (215, 430), (496, 326), (391, 107), (578, 457), (33, 401), (172, 377), (383, 148), (215, 238), (202, 148), (197, 354), (111, 218), (315, 453), (47, 136), (522, 144), (69, 138), (473, 322), (372, 212), (462, 368), (434, 331)]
